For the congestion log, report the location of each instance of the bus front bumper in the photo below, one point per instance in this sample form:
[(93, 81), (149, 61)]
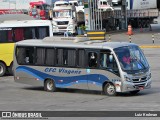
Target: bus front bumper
[(129, 86)]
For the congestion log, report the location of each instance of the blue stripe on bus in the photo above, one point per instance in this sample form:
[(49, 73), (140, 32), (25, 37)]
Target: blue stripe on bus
[(67, 81)]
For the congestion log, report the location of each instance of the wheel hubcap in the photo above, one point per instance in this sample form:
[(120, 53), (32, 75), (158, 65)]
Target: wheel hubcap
[(110, 89), (50, 85)]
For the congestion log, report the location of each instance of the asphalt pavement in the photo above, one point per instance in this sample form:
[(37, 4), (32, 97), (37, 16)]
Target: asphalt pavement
[(21, 97), (145, 37)]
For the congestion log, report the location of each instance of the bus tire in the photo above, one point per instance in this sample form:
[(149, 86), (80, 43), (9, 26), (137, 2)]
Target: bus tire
[(10, 69), (134, 92), (109, 89), (49, 85), (2, 69)]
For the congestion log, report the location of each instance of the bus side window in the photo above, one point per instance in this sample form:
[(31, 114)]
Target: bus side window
[(92, 59), (59, 56), (29, 58), (3, 36), (50, 56), (43, 32), (107, 61), (81, 58), (72, 57), (20, 55), (66, 57), (18, 34), (40, 58), (25, 55), (29, 33)]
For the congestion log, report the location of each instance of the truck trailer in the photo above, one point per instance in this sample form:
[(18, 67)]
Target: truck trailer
[(140, 13)]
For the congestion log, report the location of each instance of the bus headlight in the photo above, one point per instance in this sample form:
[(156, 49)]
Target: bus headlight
[(149, 76), (127, 79)]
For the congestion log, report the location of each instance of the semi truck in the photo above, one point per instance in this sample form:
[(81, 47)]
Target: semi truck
[(20, 4), (26, 6), (104, 4), (66, 17), (140, 13)]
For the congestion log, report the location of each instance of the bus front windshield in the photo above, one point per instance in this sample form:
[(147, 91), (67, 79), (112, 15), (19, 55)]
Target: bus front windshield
[(131, 58), (62, 13)]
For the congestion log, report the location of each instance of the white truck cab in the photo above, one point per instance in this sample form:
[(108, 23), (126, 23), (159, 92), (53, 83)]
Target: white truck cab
[(59, 3), (104, 5), (64, 19)]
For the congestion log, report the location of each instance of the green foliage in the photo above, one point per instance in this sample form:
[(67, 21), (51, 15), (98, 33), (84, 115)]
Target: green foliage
[(82, 27)]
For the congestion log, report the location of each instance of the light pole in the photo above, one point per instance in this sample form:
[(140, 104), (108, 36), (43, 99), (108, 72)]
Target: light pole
[(124, 14)]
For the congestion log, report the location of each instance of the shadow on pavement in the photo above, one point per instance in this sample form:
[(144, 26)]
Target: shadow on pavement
[(92, 92)]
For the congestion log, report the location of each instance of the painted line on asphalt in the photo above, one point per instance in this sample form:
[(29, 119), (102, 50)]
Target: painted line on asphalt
[(149, 46)]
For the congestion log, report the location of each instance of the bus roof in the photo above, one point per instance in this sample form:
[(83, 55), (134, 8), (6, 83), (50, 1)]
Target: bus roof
[(72, 42), (7, 17), (24, 23)]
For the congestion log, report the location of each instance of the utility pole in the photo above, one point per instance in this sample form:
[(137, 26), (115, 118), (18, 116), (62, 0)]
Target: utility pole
[(124, 14)]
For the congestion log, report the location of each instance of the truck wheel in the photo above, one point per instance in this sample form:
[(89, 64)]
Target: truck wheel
[(109, 89), (2, 69), (10, 69), (49, 85), (134, 92)]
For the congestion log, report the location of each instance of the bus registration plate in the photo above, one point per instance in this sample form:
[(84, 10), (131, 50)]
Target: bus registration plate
[(141, 88)]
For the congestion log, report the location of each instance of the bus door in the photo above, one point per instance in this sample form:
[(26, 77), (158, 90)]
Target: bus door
[(91, 70)]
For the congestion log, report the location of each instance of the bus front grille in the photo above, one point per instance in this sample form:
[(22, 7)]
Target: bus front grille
[(139, 80), (140, 85)]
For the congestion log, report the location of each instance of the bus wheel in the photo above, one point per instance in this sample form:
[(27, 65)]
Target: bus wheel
[(49, 85), (134, 92), (2, 69), (110, 90), (10, 69)]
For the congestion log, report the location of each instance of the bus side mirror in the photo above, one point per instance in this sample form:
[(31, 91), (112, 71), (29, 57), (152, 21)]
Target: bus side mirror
[(111, 58)]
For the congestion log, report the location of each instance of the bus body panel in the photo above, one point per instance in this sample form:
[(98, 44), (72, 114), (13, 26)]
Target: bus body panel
[(66, 77), (6, 53)]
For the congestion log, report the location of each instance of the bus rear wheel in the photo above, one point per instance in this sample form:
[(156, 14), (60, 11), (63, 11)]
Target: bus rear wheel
[(2, 69), (49, 85), (109, 89)]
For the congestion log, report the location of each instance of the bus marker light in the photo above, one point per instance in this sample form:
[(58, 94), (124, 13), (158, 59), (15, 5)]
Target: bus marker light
[(141, 88), (60, 80), (36, 79), (117, 85)]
